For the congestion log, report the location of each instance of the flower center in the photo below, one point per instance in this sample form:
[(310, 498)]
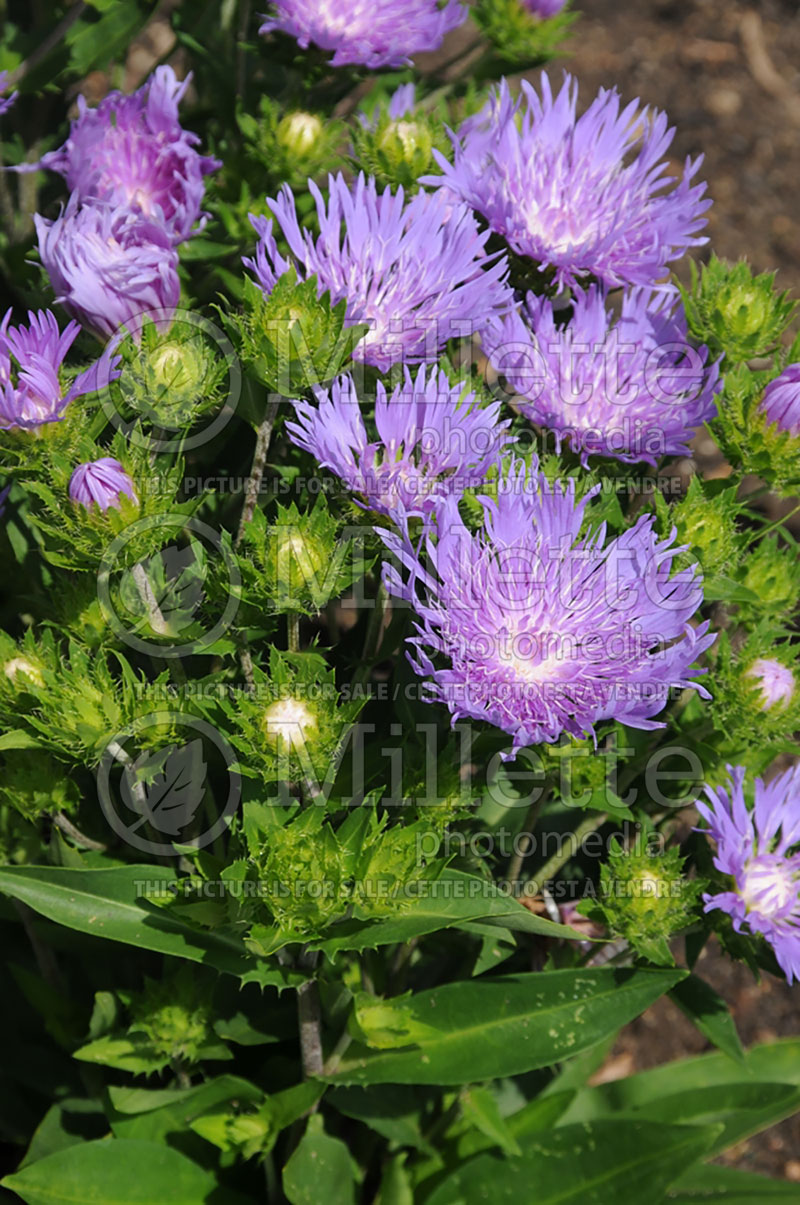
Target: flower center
[(770, 885)]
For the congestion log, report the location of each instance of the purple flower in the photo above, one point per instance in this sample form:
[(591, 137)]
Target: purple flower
[(758, 850), (775, 682), (582, 196), (357, 31), (632, 389), (415, 272), (5, 101), (31, 357), (540, 629), (544, 8), (429, 433), (110, 267), (781, 400), (103, 482), (132, 151)]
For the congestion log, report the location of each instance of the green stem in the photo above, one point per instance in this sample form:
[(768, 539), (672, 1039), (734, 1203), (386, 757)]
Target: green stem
[(552, 867), (263, 438), (293, 631)]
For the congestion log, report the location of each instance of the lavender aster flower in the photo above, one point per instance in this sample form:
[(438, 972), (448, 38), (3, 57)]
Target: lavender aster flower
[(101, 482), (781, 401), (775, 682), (415, 271), (541, 630), (5, 101), (132, 151), (429, 433), (580, 195), (632, 389), (31, 359), (758, 849), (375, 34), (110, 267)]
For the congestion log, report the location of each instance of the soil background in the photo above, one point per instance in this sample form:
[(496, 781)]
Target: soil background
[(728, 75)]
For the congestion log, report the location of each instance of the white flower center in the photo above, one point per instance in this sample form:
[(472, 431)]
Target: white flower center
[(21, 667), (289, 722), (770, 885)]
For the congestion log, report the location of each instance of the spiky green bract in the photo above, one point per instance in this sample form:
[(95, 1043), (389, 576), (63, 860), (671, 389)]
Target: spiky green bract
[(771, 576), (747, 438), (755, 684), (73, 702), (645, 898), (312, 872), (74, 537), (299, 561), (169, 1023), (291, 726), (705, 519), (520, 39), (289, 145), (396, 144), (735, 313), (169, 379), (291, 339), (35, 785)]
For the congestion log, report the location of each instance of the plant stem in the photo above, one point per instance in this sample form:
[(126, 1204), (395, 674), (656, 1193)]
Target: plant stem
[(293, 631), (257, 470), (309, 1019), (68, 828), (552, 867)]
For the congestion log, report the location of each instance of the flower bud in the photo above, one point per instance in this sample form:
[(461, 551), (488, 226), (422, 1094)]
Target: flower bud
[(781, 400), (288, 723), (298, 132), (103, 482), (646, 899), (775, 682), (734, 312)]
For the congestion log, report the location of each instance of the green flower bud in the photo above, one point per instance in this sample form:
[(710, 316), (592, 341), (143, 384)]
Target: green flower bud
[(293, 339), (34, 784), (299, 132), (645, 898), (771, 573), (170, 379), (176, 1018), (706, 521), (298, 563), (734, 312)]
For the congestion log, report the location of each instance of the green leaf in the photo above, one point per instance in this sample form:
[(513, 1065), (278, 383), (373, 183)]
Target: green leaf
[(109, 903), (451, 901), (152, 1114), (114, 1172), (775, 1062), (480, 1108), (740, 1109), (319, 1169), (488, 1028), (709, 1012), (64, 1124), (731, 1187), (18, 738), (623, 1162)]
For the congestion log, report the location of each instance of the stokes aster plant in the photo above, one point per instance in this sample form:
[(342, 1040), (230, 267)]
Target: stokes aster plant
[(377, 739)]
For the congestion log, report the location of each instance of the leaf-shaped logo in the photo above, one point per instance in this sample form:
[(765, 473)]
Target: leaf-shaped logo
[(167, 588), (166, 787)]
